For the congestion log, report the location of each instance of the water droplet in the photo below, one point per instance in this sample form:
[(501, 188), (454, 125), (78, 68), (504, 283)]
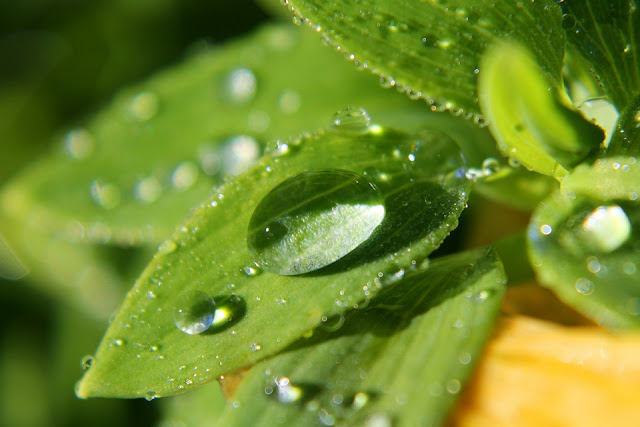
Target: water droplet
[(286, 392), (453, 386), (332, 324), (167, 246), (606, 228), (584, 286), (105, 194), (633, 306), (250, 271), (242, 85), (359, 400), (351, 119), (546, 229), (148, 190), (118, 342), (86, 363), (255, 347), (150, 395), (378, 420), (238, 154), (290, 101), (464, 358), (569, 22), (143, 106), (184, 176), (194, 312), (78, 143), (313, 219)]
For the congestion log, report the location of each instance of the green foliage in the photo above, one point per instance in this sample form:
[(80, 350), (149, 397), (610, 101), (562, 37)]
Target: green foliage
[(315, 202)]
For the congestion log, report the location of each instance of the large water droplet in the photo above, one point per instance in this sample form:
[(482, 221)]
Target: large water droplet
[(606, 228), (194, 312), (312, 220), (351, 119)]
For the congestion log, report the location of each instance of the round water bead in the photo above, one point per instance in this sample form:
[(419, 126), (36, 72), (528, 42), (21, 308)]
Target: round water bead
[(194, 312), (312, 220)]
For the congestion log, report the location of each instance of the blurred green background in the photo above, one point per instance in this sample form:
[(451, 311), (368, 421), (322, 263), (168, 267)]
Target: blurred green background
[(61, 61)]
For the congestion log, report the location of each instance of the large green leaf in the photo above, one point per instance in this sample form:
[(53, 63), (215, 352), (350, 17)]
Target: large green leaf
[(432, 50), (584, 241), (605, 32), (401, 361), (48, 214), (423, 191)]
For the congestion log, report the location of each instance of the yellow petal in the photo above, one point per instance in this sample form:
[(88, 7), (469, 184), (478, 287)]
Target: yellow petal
[(537, 373)]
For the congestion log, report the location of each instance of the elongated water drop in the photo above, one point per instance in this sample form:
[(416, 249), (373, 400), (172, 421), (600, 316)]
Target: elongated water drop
[(312, 220), (194, 312)]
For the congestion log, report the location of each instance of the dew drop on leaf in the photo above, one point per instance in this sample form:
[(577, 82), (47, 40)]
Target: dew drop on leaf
[(312, 220), (143, 106), (78, 143), (105, 194), (351, 119), (606, 228), (194, 312), (86, 363), (242, 85)]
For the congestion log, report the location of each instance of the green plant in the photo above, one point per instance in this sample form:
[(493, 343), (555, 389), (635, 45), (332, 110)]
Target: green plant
[(308, 273)]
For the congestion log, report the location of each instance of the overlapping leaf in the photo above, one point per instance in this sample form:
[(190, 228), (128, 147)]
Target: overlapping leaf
[(583, 241), (400, 361), (605, 32), (432, 50), (626, 138), (144, 353)]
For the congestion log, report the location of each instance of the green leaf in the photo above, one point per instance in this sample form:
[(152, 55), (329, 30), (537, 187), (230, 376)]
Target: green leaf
[(200, 407), (529, 120), (626, 138), (432, 50), (135, 170), (402, 360), (584, 241), (144, 352), (605, 34)]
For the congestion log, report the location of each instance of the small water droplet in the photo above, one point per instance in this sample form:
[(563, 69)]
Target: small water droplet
[(251, 271), (150, 395), (464, 358), (86, 363), (360, 400), (143, 106), (118, 342), (78, 143), (584, 286), (242, 85), (147, 190), (453, 386), (184, 176), (633, 306), (290, 101), (291, 232), (194, 312), (546, 229), (255, 347), (105, 194), (238, 154), (351, 119), (167, 246)]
